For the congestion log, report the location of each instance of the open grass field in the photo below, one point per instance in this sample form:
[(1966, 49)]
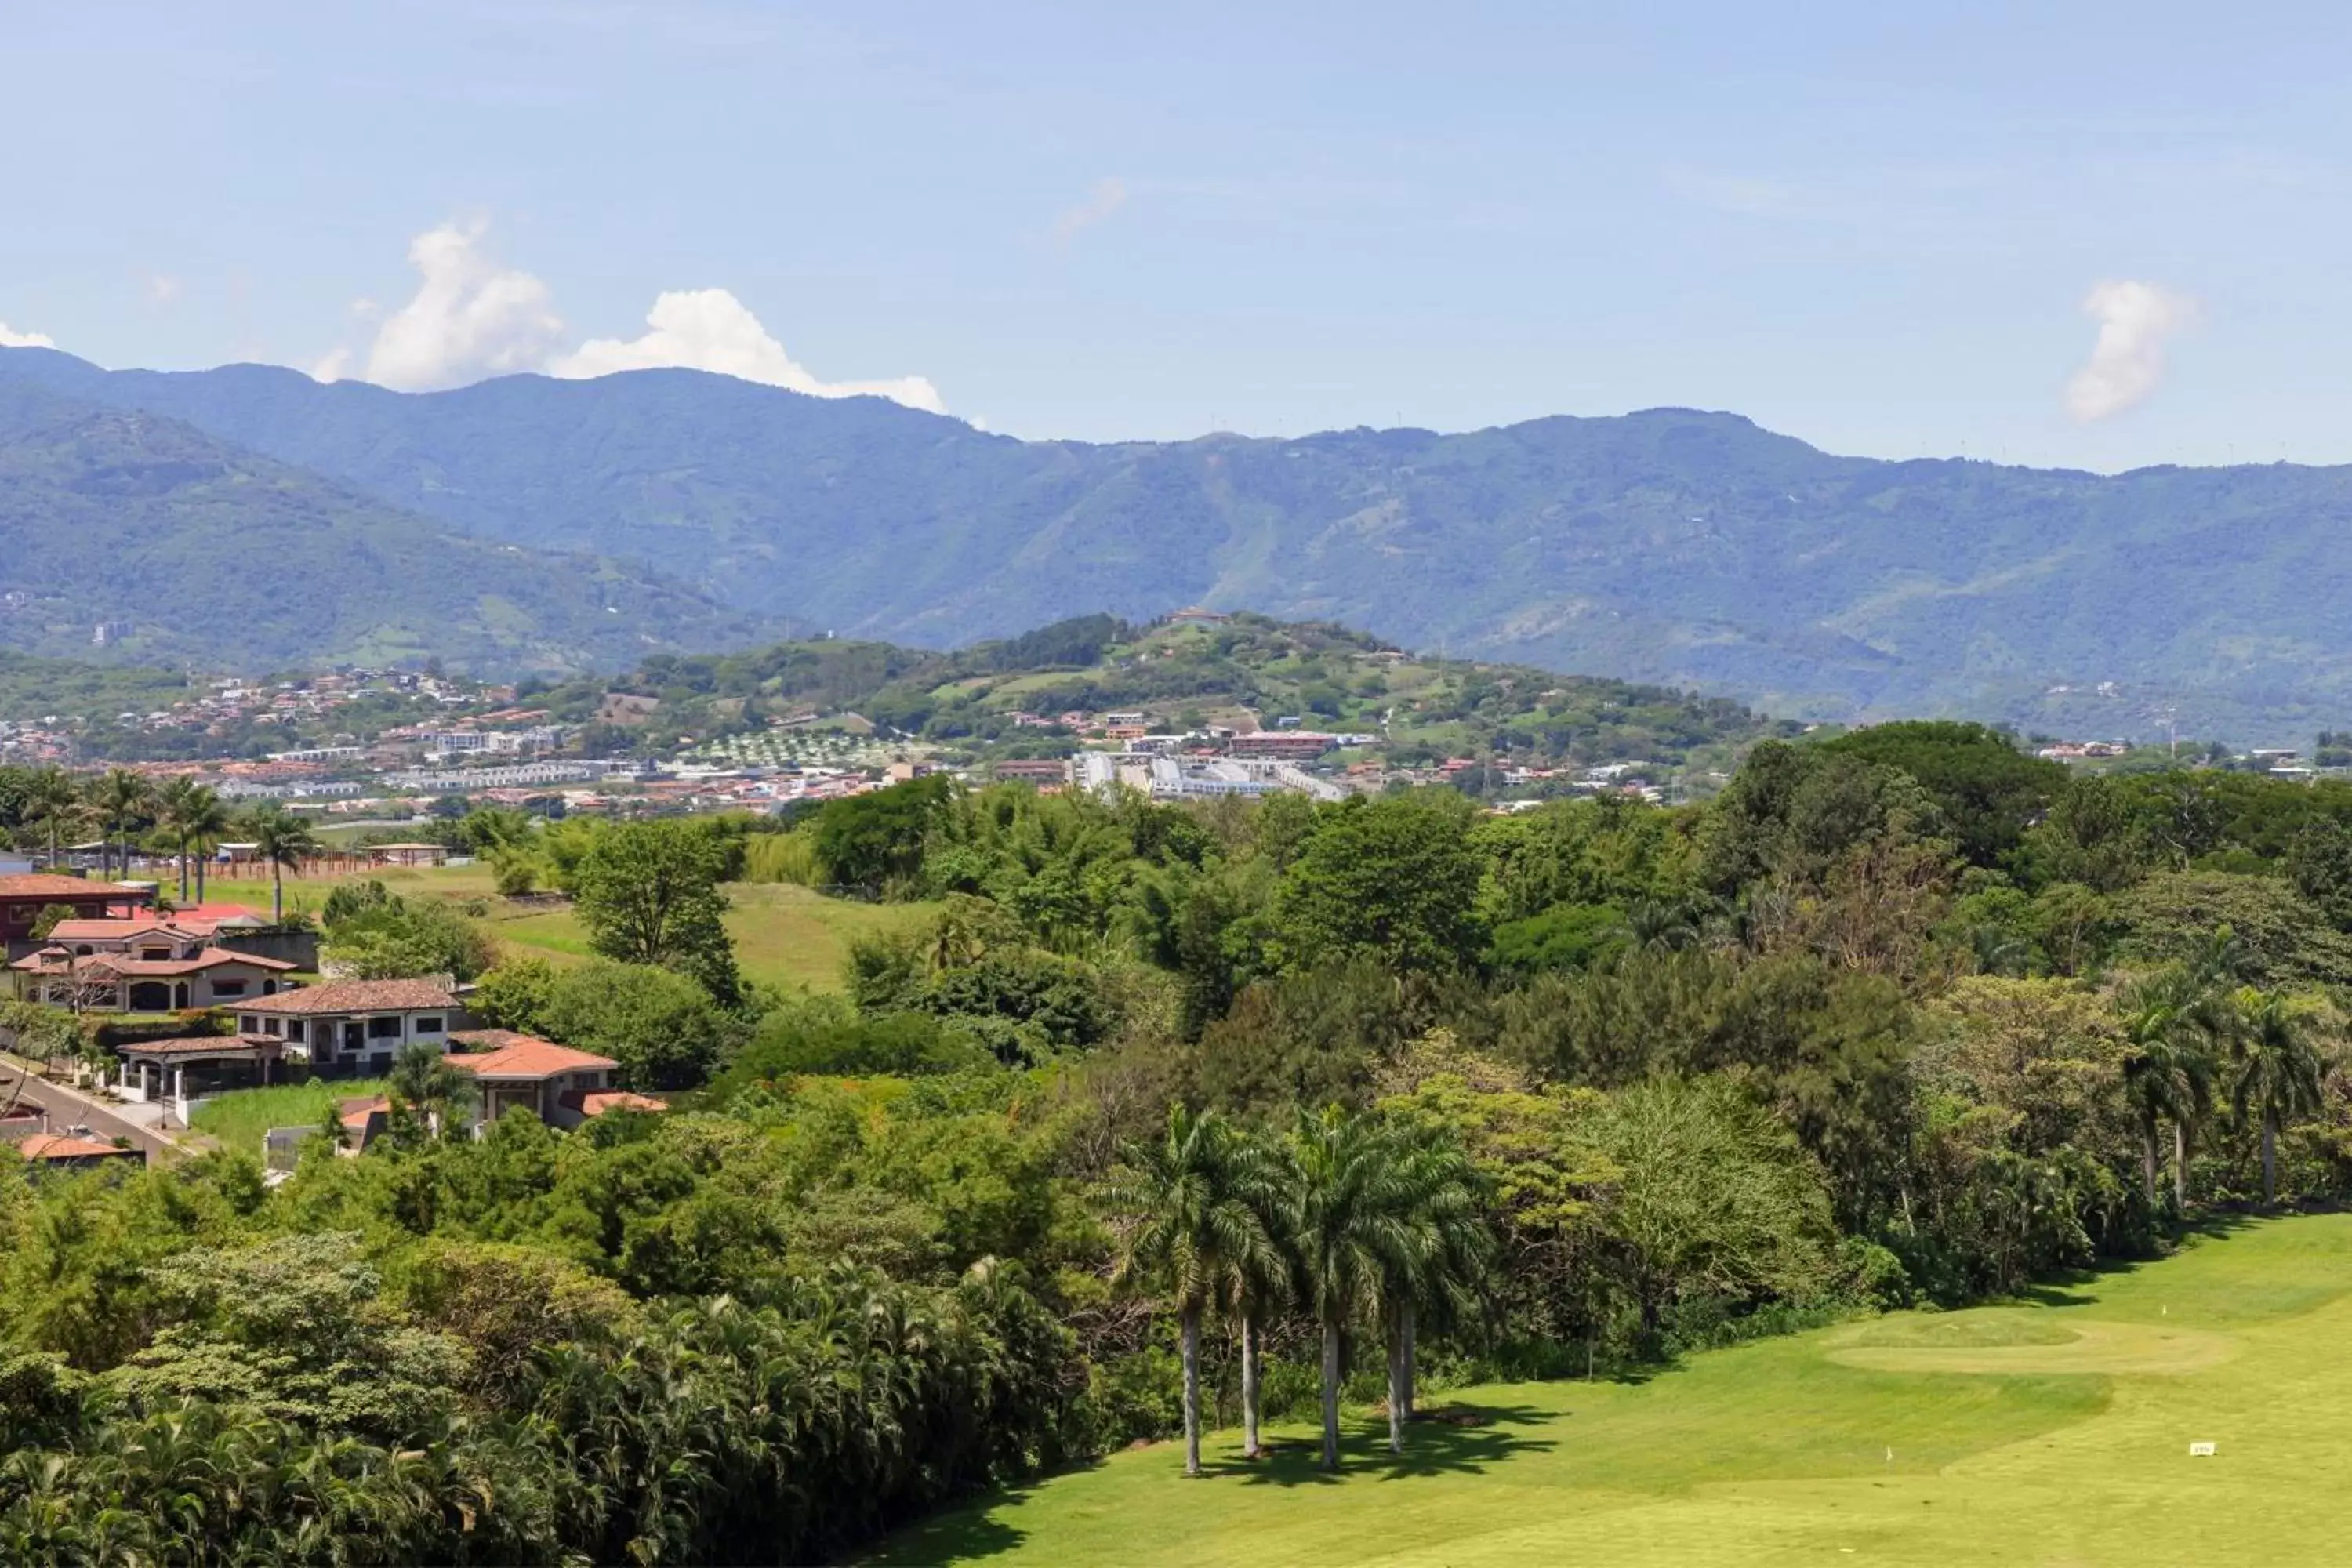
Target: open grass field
[(238, 1120), (2054, 1433), (784, 934)]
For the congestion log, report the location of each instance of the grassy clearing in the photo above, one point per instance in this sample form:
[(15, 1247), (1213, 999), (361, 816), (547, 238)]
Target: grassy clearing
[(784, 934), (239, 1119), (2052, 1433)]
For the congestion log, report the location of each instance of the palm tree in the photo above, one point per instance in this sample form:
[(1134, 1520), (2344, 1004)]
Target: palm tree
[(422, 1080), (171, 804), (1349, 1225), (2277, 1069), (52, 800), (120, 798), (2162, 1074), (1449, 1250), (1196, 1200), (203, 818), (1269, 1282), (282, 839)]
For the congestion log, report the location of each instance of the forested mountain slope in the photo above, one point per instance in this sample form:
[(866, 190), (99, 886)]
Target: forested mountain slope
[(1689, 548), (188, 548)]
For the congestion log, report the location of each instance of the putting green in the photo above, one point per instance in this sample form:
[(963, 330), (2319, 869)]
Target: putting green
[(2089, 1346), (2052, 1434)]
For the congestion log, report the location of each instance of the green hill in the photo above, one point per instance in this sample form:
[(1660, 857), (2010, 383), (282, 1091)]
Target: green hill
[(1673, 546), (190, 551), (1246, 671)]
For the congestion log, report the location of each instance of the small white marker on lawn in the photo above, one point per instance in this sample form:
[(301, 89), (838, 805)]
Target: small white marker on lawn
[(2200, 1451)]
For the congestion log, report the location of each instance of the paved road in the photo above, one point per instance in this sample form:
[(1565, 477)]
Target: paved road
[(68, 1108)]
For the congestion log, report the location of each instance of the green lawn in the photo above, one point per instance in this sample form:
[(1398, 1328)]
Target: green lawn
[(2051, 1432), (240, 1118), (784, 935)]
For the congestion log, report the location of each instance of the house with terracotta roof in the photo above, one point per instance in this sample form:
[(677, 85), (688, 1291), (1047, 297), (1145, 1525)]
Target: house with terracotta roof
[(559, 1085), (562, 1087), (147, 964), (67, 1152), (347, 1028), (25, 895)]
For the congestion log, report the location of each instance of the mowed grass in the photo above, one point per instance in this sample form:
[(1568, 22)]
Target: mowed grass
[(238, 1120), (2055, 1432), (784, 935)]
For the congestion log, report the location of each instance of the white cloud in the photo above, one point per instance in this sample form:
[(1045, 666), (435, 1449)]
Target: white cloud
[(11, 339), (709, 329), (163, 289), (1107, 197), (471, 318), (2128, 361)]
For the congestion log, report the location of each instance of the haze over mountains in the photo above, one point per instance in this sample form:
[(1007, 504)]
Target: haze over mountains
[(1670, 545)]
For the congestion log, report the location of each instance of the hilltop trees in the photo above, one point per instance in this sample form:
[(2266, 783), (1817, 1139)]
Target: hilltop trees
[(648, 893), (1393, 880)]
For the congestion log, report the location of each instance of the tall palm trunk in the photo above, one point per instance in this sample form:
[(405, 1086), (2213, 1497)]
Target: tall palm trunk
[(1249, 1387), (2150, 1158), (276, 893), (1330, 1397), (1411, 1324), (1191, 1322), (200, 878), (184, 867), (2180, 1162), (2270, 1155), (1396, 1384)]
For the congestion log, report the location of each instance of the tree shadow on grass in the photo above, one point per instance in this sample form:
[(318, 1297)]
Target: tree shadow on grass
[(960, 1536), (2079, 1287), (1453, 1439)]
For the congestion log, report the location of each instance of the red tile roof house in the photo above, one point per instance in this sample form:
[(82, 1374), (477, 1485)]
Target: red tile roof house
[(559, 1085), (562, 1087), (63, 1151), (350, 1028), (148, 965), (23, 897)]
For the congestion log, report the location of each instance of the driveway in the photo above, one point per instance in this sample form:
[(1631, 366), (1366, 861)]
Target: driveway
[(69, 1107)]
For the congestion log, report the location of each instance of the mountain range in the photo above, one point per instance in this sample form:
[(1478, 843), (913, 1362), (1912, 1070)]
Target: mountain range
[(1672, 545)]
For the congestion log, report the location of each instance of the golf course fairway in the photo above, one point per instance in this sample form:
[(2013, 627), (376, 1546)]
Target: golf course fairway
[(2052, 1432)]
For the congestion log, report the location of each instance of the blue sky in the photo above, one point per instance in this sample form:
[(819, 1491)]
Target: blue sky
[(1863, 225)]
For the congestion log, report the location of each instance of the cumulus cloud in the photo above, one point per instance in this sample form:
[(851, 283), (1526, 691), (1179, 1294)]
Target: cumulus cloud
[(470, 317), (11, 339), (2128, 361), (1107, 197), (473, 317), (709, 329)]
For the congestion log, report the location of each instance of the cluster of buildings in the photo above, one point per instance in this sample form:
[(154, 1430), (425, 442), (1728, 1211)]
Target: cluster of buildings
[(103, 948), (228, 704)]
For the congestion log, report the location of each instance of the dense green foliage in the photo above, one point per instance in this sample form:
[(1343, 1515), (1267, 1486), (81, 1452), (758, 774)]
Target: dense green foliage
[(1161, 1112)]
